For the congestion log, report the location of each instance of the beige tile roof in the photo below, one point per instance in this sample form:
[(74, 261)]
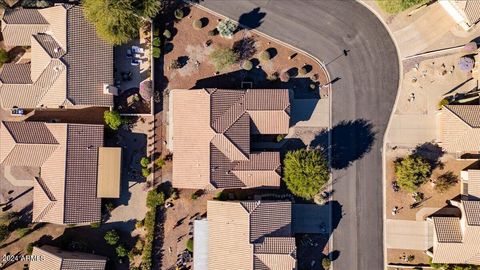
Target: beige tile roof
[(460, 128), (472, 11), (57, 259), (219, 154), (472, 212), (15, 74), (474, 184), (69, 62), (448, 229), (67, 154), (240, 236)]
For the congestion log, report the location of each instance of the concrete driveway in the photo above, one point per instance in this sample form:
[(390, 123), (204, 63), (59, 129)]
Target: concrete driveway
[(311, 218), (408, 234)]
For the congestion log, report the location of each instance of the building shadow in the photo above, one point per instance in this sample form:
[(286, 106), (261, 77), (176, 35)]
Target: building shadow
[(351, 140), (252, 19)]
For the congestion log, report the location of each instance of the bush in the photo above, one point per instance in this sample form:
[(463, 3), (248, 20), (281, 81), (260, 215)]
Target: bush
[(29, 248), (21, 232), (4, 58), (226, 28), (144, 162), (175, 64), (302, 71), (121, 251), (139, 224), (156, 42), (159, 162), (445, 181), (197, 24), (190, 245), (167, 34), (212, 33), (273, 76), (194, 196), (411, 172), (264, 56), (442, 103), (111, 237), (113, 119), (178, 14), (396, 6), (221, 196), (247, 65), (156, 52), (326, 263), (280, 137), (139, 245), (95, 225), (223, 58), (146, 172), (155, 198), (284, 77), (305, 172)]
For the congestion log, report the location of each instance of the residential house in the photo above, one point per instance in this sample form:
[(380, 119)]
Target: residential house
[(459, 129), (74, 172), (69, 65), (210, 136), (249, 235), (466, 13), (53, 258)]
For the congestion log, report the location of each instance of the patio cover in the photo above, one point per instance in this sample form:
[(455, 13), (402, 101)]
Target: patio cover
[(109, 168)]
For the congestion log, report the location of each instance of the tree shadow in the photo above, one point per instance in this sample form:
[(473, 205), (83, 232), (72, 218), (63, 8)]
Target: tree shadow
[(252, 19), (273, 52), (431, 152), (351, 140)]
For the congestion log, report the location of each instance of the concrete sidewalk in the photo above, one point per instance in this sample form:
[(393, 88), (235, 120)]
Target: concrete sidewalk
[(408, 234)]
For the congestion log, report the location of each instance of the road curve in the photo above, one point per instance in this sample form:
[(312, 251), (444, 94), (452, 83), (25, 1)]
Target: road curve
[(369, 77)]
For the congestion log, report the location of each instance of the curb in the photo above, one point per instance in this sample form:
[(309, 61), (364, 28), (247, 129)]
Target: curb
[(329, 85), (384, 161)]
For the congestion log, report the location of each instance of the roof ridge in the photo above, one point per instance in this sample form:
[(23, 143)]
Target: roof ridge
[(449, 107)]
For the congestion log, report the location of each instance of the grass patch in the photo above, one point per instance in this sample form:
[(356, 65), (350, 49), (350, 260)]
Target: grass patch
[(396, 6)]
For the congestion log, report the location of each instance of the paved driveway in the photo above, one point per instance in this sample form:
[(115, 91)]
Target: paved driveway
[(365, 89), (408, 234)]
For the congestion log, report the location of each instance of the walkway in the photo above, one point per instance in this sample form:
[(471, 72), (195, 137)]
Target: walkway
[(409, 234)]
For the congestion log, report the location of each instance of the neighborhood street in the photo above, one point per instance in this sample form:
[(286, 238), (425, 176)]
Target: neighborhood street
[(362, 60)]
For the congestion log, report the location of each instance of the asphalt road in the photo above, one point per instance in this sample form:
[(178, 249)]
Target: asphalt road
[(366, 90)]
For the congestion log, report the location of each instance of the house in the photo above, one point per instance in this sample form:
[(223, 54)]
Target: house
[(70, 66), (248, 235), (73, 168), (466, 13), (53, 258), (210, 136), (459, 129)]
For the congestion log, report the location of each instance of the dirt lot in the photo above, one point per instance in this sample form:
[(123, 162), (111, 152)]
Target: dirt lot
[(397, 256), (433, 199), (188, 46)]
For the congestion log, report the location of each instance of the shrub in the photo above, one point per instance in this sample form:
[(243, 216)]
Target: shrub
[(302, 71), (411, 172), (326, 263), (223, 58), (95, 225), (178, 14), (145, 172), (221, 196), (442, 103), (197, 24), (194, 196), (280, 137), (144, 162), (155, 198), (212, 33), (247, 65), (4, 58), (156, 52), (174, 194), (21, 232), (445, 181), (175, 64), (159, 162), (273, 76), (139, 224), (156, 41), (226, 28), (139, 245), (111, 237), (284, 77), (167, 34), (305, 172), (109, 206), (396, 6), (121, 251), (190, 245), (29, 248), (264, 56), (113, 119)]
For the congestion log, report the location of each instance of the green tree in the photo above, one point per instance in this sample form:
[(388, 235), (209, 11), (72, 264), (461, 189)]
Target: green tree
[(155, 198), (118, 21), (4, 58), (326, 263), (144, 162), (226, 28), (190, 245), (111, 237), (411, 172), (121, 251), (223, 58), (113, 119), (305, 172)]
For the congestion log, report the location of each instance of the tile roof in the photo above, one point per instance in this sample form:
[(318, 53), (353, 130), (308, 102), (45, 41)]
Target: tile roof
[(220, 156), (23, 16), (69, 62), (240, 236), (460, 128), (54, 258), (448, 229), (67, 154), (474, 184), (472, 212), (472, 11)]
